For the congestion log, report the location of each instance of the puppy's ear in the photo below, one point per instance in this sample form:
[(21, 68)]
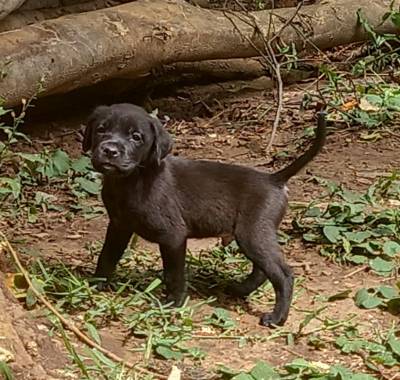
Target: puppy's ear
[(162, 141), (94, 119)]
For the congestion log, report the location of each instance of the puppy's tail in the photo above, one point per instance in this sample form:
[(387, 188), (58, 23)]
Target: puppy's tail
[(282, 176)]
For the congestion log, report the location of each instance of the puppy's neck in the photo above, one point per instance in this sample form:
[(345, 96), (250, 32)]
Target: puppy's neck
[(140, 174)]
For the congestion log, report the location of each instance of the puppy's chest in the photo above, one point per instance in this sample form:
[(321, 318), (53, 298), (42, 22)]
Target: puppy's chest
[(126, 209), (143, 214)]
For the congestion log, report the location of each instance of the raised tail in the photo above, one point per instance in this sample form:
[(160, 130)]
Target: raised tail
[(282, 176)]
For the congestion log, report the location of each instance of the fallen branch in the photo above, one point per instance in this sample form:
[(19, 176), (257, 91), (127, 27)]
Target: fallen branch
[(83, 49), (277, 71), (8, 6), (6, 246), (24, 17), (46, 4)]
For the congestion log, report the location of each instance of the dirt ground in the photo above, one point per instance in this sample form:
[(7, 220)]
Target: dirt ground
[(233, 128)]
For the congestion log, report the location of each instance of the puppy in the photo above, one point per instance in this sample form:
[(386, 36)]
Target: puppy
[(167, 200)]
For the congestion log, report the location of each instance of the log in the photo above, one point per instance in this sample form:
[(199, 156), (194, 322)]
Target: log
[(46, 4), (70, 52), (8, 6), (24, 16)]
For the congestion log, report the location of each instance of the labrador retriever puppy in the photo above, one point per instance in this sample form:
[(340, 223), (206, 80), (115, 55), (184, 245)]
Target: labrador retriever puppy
[(167, 200)]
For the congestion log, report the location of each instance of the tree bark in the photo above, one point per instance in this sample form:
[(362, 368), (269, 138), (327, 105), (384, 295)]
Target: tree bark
[(59, 55), (25, 16), (46, 4), (7, 6)]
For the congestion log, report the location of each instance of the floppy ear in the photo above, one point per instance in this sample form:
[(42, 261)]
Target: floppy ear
[(93, 121), (162, 141)]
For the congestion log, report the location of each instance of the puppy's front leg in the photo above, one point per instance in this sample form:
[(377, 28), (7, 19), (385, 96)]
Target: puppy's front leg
[(173, 257), (117, 239)]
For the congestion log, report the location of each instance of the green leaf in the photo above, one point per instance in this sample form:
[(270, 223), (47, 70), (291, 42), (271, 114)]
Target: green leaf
[(348, 346), (395, 17), (340, 296), (391, 248), (297, 364), (31, 298), (227, 370), (339, 372), (346, 245), (311, 237), (361, 376), (393, 103), (90, 187), (93, 332), (263, 371), (332, 233), (394, 344), (385, 358), (5, 370), (243, 376), (388, 292), (313, 212), (61, 161), (167, 353), (357, 259), (357, 237), (221, 318), (366, 300), (153, 285), (373, 99), (10, 186), (382, 267), (3, 111), (102, 358), (82, 165)]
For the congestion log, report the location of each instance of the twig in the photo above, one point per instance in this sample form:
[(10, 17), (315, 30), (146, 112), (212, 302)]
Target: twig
[(394, 134), (277, 70), (294, 352), (6, 246), (355, 271), (270, 59), (288, 21)]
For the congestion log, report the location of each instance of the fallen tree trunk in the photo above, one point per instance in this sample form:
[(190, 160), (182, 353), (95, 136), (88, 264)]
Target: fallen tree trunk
[(7, 6), (73, 51), (46, 4), (24, 17)]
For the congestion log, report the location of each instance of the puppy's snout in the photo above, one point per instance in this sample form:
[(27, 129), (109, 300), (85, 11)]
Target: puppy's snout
[(110, 150)]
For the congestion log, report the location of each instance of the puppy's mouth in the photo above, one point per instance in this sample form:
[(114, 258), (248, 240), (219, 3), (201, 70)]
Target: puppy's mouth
[(112, 169)]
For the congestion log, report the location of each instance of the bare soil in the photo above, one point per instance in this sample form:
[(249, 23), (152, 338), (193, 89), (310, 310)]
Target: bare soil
[(234, 128)]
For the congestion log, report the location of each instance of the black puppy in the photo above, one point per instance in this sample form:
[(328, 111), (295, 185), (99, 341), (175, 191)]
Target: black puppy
[(167, 199)]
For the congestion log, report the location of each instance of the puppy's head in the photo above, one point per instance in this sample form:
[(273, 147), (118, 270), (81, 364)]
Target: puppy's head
[(123, 137)]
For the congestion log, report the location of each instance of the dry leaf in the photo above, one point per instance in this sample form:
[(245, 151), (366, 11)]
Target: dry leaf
[(365, 105), (349, 105), (6, 356), (175, 373)]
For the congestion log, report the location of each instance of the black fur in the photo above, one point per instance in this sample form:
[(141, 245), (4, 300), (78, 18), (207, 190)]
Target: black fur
[(167, 199)]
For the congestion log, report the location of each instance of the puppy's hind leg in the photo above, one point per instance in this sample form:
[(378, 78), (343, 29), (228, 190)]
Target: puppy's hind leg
[(255, 279), (117, 239), (260, 245), (173, 257)]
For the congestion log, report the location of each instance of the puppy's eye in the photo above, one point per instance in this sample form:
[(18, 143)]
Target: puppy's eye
[(136, 136), (101, 128)]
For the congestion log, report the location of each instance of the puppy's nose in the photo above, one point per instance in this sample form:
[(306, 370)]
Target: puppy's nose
[(110, 151)]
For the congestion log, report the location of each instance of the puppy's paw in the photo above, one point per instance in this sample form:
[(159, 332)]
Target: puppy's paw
[(175, 301), (101, 285), (269, 320)]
